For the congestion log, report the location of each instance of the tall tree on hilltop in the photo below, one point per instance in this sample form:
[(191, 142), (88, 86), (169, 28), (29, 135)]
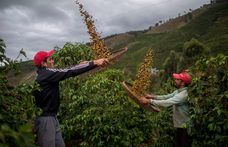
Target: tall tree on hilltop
[(169, 66), (156, 24), (2, 50), (2, 46)]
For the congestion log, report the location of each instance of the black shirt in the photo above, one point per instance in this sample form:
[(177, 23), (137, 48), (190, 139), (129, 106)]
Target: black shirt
[(48, 98)]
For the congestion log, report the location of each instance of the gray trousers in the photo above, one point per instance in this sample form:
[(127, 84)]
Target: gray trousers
[(49, 132)]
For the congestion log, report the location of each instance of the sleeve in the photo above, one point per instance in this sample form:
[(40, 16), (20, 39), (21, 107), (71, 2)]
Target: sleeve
[(177, 99), (164, 97), (54, 75)]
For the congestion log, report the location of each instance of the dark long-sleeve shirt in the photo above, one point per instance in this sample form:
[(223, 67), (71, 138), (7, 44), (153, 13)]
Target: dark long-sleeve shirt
[(48, 98)]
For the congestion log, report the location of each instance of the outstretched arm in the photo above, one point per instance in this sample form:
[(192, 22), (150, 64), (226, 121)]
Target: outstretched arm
[(100, 62), (177, 99), (150, 96), (146, 99)]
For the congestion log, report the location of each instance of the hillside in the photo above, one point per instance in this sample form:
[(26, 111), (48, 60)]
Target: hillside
[(177, 22), (118, 39), (28, 73), (209, 28), (208, 25)]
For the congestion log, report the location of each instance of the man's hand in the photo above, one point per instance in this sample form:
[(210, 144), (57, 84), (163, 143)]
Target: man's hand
[(150, 96), (144, 100), (100, 62)]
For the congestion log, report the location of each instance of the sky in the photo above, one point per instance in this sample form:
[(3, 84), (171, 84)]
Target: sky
[(39, 25)]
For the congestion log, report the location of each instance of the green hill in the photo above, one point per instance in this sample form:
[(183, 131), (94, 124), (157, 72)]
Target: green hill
[(207, 24), (209, 28), (28, 73)]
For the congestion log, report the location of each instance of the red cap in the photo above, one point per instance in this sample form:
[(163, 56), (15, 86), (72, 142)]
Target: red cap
[(183, 76), (40, 56)]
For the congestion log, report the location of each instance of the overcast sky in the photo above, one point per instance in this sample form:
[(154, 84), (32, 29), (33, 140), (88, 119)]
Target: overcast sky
[(39, 25)]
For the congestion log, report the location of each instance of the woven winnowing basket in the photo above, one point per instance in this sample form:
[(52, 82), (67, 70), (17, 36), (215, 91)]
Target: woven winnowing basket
[(116, 56), (135, 98)]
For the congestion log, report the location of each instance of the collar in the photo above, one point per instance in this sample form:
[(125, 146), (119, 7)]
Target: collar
[(182, 89), (41, 67)]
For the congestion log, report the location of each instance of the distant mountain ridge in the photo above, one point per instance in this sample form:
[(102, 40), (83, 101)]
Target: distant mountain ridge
[(208, 25), (168, 26)]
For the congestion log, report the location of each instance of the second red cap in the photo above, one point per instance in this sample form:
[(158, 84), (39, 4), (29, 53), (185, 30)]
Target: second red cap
[(183, 76)]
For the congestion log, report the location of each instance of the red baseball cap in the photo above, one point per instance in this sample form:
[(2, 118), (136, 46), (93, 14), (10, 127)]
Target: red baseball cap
[(40, 56), (183, 76)]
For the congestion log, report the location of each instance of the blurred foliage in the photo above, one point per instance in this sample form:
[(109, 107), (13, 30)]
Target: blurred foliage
[(17, 106), (208, 97)]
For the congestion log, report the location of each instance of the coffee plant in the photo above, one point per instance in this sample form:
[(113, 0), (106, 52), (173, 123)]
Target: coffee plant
[(97, 109), (208, 96)]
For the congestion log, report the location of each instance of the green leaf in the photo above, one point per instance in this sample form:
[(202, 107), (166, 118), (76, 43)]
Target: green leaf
[(2, 137), (211, 119), (219, 111), (225, 126), (25, 128), (141, 139), (210, 126), (22, 52), (29, 114), (218, 128)]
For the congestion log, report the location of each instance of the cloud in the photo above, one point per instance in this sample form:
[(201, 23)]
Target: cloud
[(40, 25)]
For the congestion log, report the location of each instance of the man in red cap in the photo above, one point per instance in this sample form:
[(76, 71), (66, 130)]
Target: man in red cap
[(47, 125), (177, 99)]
